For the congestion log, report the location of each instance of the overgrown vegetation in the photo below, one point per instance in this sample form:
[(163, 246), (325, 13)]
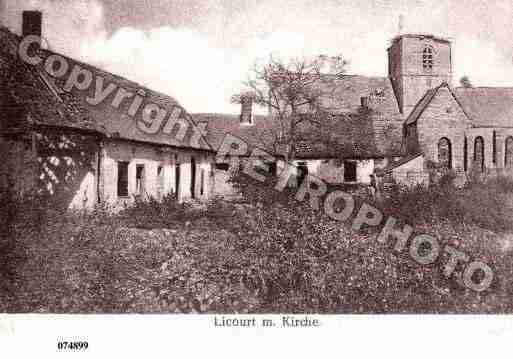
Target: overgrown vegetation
[(488, 205), (273, 255)]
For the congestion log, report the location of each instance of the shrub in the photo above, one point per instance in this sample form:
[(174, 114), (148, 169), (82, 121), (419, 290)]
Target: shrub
[(277, 255), (152, 213)]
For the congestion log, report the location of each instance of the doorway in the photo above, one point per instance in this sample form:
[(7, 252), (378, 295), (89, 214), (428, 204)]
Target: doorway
[(302, 172), (193, 177), (350, 171), (177, 180)]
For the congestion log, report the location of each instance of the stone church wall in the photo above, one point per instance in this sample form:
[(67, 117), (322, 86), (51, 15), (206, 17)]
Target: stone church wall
[(443, 117)]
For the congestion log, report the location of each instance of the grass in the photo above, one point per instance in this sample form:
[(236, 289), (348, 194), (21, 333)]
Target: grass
[(274, 256)]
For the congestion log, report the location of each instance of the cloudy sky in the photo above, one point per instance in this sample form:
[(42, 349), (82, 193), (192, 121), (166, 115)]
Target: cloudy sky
[(200, 51)]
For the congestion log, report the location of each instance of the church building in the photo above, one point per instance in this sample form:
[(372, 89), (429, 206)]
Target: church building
[(466, 129), (416, 120)]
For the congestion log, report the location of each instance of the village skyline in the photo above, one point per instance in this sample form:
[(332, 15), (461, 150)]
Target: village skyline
[(142, 42)]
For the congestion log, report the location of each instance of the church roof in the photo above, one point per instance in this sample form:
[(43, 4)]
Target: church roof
[(484, 106), (421, 106), (343, 94), (421, 37), (487, 106), (426, 100)]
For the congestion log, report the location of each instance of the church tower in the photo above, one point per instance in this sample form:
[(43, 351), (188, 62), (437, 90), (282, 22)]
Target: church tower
[(417, 63)]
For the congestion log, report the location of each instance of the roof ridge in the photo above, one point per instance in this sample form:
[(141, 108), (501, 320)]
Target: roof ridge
[(35, 71)]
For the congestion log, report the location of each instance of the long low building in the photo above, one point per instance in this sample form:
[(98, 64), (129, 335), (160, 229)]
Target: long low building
[(58, 138)]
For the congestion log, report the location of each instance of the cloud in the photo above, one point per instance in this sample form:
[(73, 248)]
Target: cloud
[(178, 62), (203, 63), (482, 62)]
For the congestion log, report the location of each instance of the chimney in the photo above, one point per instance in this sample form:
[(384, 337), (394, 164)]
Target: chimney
[(246, 109), (364, 101), (32, 23)]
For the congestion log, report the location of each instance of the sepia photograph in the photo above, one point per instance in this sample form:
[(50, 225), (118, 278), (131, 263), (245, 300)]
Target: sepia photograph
[(265, 163)]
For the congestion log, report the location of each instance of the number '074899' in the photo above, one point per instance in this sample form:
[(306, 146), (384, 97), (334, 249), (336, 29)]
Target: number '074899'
[(72, 345)]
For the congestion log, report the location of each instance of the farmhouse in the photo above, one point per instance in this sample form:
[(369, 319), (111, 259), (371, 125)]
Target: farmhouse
[(58, 138)]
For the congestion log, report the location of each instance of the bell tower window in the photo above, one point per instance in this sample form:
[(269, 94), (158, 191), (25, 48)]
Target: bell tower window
[(427, 58)]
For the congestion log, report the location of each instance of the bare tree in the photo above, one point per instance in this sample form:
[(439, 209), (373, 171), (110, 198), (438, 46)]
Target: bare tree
[(295, 94)]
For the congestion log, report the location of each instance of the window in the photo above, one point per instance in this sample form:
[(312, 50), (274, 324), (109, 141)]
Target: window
[(193, 177), (465, 154), (427, 58), (122, 179), (202, 183), (160, 181), (350, 171), (508, 153), (377, 95), (178, 172), (176, 186), (445, 153), (302, 172), (479, 154), (272, 168), (494, 147), (139, 179), (222, 166)]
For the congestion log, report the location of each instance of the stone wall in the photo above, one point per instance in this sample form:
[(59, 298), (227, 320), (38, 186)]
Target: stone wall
[(411, 173), (410, 80), (18, 167), (443, 117), (492, 165)]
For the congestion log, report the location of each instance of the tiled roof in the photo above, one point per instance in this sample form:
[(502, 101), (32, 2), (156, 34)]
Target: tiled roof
[(487, 106), (27, 97), (70, 109), (260, 134), (117, 121)]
